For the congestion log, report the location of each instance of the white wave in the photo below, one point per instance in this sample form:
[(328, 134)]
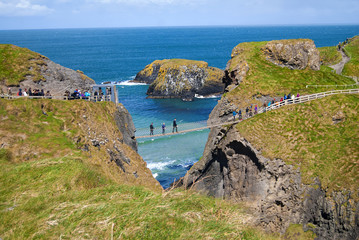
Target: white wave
[(155, 175), (210, 96), (159, 165), (109, 82), (129, 83)]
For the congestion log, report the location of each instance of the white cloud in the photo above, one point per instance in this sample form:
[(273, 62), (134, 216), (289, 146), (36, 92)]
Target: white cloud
[(23, 8)]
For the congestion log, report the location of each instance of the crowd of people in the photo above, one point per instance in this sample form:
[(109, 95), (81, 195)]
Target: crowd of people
[(78, 94), (26, 92), (250, 111)]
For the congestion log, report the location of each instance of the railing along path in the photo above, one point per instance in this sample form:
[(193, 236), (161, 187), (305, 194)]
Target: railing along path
[(201, 125)]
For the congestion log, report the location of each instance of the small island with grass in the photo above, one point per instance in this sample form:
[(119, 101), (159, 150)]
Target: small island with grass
[(181, 78)]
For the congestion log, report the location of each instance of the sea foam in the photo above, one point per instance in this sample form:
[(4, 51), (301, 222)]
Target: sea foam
[(129, 83)]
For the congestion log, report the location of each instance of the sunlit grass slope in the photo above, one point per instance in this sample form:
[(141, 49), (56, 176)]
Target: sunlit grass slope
[(352, 50), (65, 198), (17, 63), (320, 137)]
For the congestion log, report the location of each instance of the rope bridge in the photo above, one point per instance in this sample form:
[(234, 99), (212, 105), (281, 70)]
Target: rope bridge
[(201, 125)]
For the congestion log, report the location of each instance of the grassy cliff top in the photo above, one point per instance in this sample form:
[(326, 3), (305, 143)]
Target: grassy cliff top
[(267, 79), (171, 64), (329, 55), (319, 137), (175, 62), (352, 50), (18, 63), (69, 128), (68, 199)]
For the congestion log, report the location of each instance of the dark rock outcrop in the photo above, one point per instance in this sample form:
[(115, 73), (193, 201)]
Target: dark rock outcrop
[(232, 168), (293, 54), (125, 124), (179, 78)]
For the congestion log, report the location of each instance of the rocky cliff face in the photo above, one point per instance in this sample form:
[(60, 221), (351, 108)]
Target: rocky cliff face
[(293, 54), (233, 169), (179, 78), (26, 69), (58, 79)]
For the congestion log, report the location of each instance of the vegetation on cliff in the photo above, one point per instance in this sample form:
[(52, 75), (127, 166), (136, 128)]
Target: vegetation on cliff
[(18, 63), (352, 50), (264, 78), (40, 129), (67, 198), (319, 137), (329, 55), (57, 181)]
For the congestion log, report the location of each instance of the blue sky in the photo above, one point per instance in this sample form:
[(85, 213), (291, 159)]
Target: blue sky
[(38, 14)]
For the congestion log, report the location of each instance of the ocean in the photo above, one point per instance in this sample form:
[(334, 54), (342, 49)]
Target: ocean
[(117, 54)]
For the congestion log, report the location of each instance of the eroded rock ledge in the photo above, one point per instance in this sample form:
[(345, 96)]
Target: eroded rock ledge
[(180, 78)]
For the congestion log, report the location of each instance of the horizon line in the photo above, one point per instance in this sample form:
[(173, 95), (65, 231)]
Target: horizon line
[(191, 26)]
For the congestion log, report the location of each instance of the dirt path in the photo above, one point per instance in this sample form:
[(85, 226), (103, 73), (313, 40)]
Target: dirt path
[(339, 67)]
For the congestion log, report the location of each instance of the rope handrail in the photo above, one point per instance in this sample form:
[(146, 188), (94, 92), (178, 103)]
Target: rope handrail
[(144, 132)]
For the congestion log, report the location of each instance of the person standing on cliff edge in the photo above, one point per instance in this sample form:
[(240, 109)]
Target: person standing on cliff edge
[(174, 126)]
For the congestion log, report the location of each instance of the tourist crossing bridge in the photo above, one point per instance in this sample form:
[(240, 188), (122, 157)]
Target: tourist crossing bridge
[(201, 125)]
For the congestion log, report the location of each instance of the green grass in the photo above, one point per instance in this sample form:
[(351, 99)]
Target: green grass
[(352, 50), (66, 198), (306, 136), (68, 129), (295, 231), (266, 79), (329, 55), (18, 63)]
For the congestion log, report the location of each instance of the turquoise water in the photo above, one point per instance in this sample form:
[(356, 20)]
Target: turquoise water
[(118, 54)]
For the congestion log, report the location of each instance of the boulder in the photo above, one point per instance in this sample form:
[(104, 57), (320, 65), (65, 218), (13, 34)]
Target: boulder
[(293, 54)]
